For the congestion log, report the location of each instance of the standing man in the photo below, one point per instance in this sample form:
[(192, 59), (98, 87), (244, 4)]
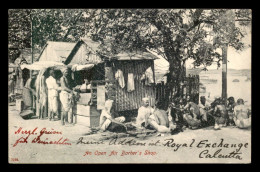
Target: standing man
[(242, 116), (66, 96), (42, 95), (53, 94)]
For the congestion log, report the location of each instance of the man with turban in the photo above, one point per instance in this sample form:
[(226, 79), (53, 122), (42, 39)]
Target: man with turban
[(66, 95), (143, 113), (107, 120)]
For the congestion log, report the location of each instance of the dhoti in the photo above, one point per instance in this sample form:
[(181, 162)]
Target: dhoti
[(193, 122), (113, 127), (203, 114), (66, 100), (53, 103), (243, 123)]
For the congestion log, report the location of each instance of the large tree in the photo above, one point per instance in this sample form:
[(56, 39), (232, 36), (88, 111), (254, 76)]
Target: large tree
[(176, 35), (34, 27)]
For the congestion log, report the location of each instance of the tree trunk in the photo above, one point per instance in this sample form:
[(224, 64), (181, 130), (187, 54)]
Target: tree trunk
[(171, 49), (175, 75)]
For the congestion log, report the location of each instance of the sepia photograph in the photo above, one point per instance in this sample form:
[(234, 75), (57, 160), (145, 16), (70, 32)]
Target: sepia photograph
[(129, 86)]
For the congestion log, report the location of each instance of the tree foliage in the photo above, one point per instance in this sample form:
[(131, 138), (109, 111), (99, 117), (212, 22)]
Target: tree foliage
[(175, 34), (46, 24)]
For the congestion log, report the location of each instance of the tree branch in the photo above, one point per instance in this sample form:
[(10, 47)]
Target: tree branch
[(73, 25)]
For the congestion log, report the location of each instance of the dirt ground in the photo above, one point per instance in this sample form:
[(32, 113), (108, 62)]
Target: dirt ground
[(228, 145)]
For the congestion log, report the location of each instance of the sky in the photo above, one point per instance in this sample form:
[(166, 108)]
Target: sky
[(236, 59)]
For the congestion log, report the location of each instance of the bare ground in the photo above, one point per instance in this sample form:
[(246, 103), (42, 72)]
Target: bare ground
[(186, 147)]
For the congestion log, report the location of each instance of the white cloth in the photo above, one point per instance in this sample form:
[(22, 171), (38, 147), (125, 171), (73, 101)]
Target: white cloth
[(120, 78), (52, 86), (130, 82), (159, 128), (66, 100), (89, 86), (105, 116), (143, 113), (107, 122), (147, 77), (104, 121), (77, 67), (243, 123), (53, 104), (52, 94), (241, 112)]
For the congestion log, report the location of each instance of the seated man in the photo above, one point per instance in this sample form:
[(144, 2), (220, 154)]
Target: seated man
[(160, 120), (107, 120), (175, 111), (242, 117), (193, 115), (220, 114), (143, 114), (230, 108), (204, 107)]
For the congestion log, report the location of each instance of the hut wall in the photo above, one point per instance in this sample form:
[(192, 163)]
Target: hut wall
[(132, 100)]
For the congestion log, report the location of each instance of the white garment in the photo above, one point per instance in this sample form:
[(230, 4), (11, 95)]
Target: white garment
[(89, 86), (107, 122), (104, 120), (66, 100), (120, 78), (52, 86), (77, 67), (130, 82), (52, 94), (148, 76), (143, 113)]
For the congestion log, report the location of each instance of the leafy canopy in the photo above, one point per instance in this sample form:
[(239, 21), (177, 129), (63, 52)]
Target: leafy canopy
[(175, 34)]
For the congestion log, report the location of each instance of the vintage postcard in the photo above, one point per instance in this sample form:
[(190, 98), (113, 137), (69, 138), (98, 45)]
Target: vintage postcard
[(129, 86)]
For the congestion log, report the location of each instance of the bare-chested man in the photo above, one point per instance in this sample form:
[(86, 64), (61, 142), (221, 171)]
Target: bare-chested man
[(242, 117), (160, 119), (193, 115)]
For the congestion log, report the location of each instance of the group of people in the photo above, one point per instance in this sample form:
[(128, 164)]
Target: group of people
[(47, 95), (181, 113)]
